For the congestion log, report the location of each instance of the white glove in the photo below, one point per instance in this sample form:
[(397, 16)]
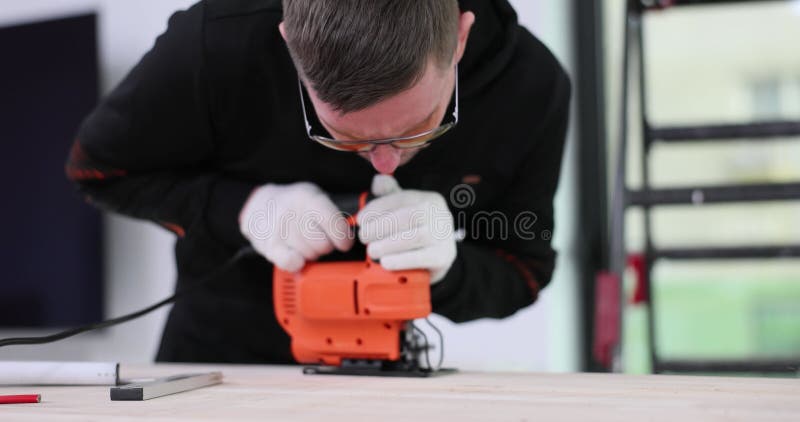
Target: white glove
[(408, 229), (292, 224)]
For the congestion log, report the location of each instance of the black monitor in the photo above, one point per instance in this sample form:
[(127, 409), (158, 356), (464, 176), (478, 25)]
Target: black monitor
[(50, 247)]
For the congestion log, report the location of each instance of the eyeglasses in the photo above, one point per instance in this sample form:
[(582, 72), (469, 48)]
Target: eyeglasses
[(406, 142)]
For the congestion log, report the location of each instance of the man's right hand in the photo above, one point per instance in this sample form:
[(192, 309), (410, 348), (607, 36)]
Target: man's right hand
[(292, 224)]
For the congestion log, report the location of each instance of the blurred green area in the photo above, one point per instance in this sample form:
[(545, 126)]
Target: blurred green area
[(713, 64), (730, 317)]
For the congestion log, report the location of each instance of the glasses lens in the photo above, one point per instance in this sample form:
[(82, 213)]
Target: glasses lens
[(421, 141), (342, 146)]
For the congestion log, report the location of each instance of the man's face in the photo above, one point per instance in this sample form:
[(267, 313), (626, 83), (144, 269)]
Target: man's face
[(413, 111)]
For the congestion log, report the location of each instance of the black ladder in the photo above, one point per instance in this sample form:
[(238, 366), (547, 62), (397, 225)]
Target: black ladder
[(648, 197)]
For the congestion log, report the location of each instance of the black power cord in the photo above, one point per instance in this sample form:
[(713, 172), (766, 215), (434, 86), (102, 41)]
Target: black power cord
[(424, 348), (441, 343), (20, 341), (427, 345), (125, 318)]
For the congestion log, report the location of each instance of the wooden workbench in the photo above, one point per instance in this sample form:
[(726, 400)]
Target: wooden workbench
[(284, 394)]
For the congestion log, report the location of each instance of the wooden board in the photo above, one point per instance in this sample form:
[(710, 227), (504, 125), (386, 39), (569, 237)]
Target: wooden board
[(283, 393)]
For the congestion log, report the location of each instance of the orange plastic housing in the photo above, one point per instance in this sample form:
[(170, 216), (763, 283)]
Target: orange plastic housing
[(348, 310)]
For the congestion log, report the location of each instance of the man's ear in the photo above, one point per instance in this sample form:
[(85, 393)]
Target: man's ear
[(282, 30), (464, 25)]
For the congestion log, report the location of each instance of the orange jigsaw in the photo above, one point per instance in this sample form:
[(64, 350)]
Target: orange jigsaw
[(353, 312), (349, 310)]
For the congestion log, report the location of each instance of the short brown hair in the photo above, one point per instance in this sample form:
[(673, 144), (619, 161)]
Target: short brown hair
[(355, 53)]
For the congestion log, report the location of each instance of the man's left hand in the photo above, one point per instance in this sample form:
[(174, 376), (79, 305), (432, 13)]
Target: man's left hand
[(408, 229)]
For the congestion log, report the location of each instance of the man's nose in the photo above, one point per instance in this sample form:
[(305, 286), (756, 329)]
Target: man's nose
[(385, 158)]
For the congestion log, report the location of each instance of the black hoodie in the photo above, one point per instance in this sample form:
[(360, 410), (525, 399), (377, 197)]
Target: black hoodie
[(212, 111)]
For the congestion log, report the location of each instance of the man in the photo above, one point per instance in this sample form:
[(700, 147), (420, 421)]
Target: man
[(210, 135)]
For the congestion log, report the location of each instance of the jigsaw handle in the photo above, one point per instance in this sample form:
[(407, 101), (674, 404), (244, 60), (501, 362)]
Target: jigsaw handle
[(346, 202), (350, 203)]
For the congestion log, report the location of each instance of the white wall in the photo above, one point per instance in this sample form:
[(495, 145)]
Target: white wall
[(140, 269)]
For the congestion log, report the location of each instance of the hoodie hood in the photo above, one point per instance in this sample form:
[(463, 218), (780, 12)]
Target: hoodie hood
[(491, 45)]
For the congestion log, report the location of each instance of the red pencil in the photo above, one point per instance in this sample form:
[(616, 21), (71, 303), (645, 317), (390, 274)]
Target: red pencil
[(25, 398)]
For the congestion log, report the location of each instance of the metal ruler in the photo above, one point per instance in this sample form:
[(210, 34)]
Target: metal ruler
[(165, 386)]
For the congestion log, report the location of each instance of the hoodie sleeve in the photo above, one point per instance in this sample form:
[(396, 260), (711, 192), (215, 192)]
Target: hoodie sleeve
[(491, 277), (147, 150)]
